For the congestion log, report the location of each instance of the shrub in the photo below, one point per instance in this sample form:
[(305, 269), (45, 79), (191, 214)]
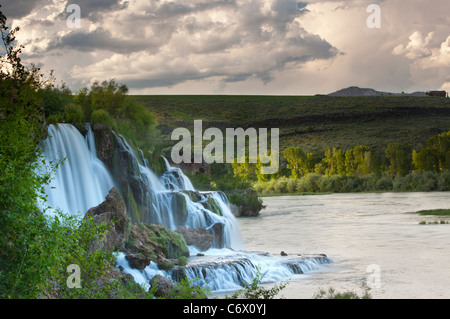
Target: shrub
[(254, 290), (291, 185), (331, 293), (72, 238), (279, 186), (384, 183), (74, 113), (332, 184), (444, 181), (102, 117), (55, 119), (309, 183)]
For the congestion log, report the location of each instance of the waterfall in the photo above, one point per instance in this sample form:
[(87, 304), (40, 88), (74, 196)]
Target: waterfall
[(82, 180), (172, 201)]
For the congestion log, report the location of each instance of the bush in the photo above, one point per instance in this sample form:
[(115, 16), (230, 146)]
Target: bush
[(74, 113), (102, 117), (331, 293), (279, 185), (331, 184), (384, 184), (254, 290), (72, 239), (55, 119), (444, 181), (309, 183), (291, 185)]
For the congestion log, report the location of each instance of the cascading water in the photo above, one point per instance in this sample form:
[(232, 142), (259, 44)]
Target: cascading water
[(83, 181), (162, 198)]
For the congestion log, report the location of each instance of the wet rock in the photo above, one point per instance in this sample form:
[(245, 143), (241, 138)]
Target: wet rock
[(151, 242), (199, 237), (113, 212), (104, 143), (217, 231)]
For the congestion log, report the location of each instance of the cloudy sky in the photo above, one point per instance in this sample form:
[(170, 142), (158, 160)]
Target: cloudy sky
[(238, 46)]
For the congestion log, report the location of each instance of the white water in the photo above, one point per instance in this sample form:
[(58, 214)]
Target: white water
[(82, 181), (358, 230)]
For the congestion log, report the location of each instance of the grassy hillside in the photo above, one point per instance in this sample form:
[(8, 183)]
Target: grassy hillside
[(311, 122)]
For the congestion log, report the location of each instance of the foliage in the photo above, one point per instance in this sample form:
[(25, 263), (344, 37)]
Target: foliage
[(255, 290), (331, 293), (74, 113), (102, 117), (72, 240), (55, 98), (23, 244), (435, 212), (299, 162), (108, 103), (435, 156), (248, 200), (400, 159), (187, 289), (314, 183)]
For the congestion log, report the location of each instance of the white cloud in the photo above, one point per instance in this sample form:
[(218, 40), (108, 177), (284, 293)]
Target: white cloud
[(240, 46), (417, 46)]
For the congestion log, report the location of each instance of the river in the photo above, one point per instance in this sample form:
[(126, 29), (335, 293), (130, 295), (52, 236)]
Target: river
[(372, 238)]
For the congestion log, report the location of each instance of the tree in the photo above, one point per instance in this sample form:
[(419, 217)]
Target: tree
[(400, 159), (24, 242), (108, 101), (299, 162), (435, 156)]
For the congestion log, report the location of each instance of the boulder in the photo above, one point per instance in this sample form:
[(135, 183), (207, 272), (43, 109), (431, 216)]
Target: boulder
[(244, 203), (199, 237), (112, 211), (162, 286), (151, 242)]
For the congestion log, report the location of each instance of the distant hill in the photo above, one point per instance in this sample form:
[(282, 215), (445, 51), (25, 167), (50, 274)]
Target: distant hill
[(354, 90), (311, 122)]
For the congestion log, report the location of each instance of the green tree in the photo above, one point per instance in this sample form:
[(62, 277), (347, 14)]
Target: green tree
[(109, 101), (23, 243), (299, 162), (400, 159), (435, 156)]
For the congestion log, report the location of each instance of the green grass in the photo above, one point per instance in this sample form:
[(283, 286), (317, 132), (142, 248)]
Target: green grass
[(311, 122), (435, 212)]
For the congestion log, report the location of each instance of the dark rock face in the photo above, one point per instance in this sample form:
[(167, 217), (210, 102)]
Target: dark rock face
[(149, 242), (200, 237), (112, 211), (141, 242), (104, 143), (218, 232)]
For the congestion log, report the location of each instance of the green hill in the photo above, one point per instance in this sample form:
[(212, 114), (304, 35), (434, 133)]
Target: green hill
[(311, 122)]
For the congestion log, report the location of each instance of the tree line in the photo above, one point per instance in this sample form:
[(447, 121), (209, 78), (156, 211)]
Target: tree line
[(398, 160), (399, 168)]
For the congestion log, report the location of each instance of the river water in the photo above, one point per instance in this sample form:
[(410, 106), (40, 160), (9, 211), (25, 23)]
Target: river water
[(372, 238)]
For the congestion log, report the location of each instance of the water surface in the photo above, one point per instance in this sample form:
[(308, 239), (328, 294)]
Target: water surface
[(356, 231)]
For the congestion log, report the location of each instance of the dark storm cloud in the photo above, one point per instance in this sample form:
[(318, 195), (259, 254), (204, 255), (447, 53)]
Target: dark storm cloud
[(151, 43), (92, 9), (99, 39), (19, 8)]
